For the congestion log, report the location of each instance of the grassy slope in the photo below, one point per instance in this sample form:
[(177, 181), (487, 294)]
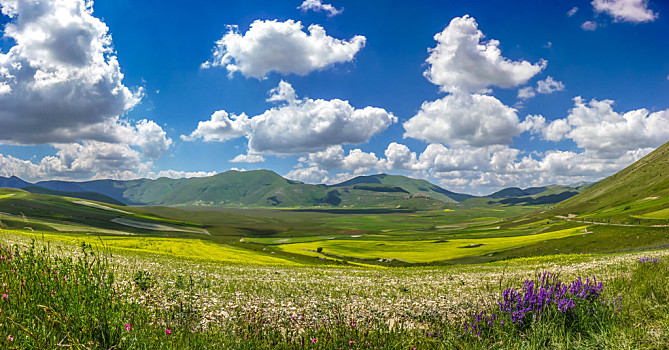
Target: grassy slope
[(642, 181), (413, 186), (21, 209), (94, 196)]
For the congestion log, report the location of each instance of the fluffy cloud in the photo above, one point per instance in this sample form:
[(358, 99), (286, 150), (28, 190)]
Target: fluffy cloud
[(546, 86), (589, 25), (462, 62), (400, 157), (526, 93), (556, 130), (61, 81), (180, 174), (89, 160), (601, 131), (333, 158), (298, 126), (572, 11), (464, 119), (318, 6), (149, 137), (221, 127), (311, 174), (248, 158), (549, 86), (281, 47), (480, 170), (626, 10), (596, 127), (77, 161)]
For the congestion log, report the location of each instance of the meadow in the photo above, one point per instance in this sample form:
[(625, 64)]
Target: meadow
[(83, 274), (86, 295)]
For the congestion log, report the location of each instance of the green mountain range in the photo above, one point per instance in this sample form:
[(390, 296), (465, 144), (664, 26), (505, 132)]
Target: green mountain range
[(257, 188)]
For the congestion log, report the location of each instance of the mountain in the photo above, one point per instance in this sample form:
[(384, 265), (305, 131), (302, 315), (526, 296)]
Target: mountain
[(94, 196), (256, 188), (412, 186), (263, 188), (517, 192), (637, 191), (550, 194), (13, 182)]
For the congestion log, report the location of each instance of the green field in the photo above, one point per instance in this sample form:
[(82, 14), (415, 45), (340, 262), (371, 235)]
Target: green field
[(379, 236), (422, 251)]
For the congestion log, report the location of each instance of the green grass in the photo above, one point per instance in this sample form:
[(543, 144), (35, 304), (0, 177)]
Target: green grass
[(662, 214), (66, 294), (646, 178), (422, 251)]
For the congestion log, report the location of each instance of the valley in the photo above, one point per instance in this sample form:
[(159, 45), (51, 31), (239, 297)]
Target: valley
[(386, 261)]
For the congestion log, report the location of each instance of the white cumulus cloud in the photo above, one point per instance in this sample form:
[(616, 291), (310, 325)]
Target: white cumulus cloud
[(589, 25), (221, 127), (311, 174), (248, 158), (546, 86), (636, 11), (282, 47), (297, 126), (318, 6), (462, 61), (60, 81), (464, 119)]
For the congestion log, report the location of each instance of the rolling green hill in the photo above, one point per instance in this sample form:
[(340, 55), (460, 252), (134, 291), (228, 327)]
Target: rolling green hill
[(264, 188), (550, 194), (636, 192), (94, 196), (21, 209), (412, 186)]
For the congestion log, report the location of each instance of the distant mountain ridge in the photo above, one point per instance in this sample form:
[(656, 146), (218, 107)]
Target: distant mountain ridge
[(265, 188), (413, 186), (256, 188), (13, 182)]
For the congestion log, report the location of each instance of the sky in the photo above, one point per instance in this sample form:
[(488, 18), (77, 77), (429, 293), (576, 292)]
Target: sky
[(474, 96)]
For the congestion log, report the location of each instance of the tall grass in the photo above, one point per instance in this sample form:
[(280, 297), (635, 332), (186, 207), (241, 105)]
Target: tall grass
[(48, 301)]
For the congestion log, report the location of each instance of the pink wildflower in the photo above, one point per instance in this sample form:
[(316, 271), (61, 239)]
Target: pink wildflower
[(128, 327), (168, 331), (10, 338), (314, 340)]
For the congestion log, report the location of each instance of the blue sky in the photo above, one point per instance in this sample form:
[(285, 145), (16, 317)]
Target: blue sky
[(472, 95)]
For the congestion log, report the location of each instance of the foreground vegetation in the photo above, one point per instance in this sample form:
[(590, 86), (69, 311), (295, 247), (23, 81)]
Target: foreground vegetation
[(83, 295)]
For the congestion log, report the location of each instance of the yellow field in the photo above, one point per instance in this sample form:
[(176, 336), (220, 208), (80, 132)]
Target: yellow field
[(423, 251), (660, 214), (173, 247)]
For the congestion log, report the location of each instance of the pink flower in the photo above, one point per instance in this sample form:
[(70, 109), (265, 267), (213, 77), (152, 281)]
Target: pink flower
[(314, 340), (5, 296), (501, 342), (168, 331), (10, 338), (350, 342), (128, 327)]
